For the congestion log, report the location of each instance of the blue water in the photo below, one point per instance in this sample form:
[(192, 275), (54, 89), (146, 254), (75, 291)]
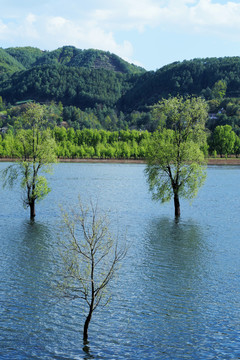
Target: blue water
[(177, 294)]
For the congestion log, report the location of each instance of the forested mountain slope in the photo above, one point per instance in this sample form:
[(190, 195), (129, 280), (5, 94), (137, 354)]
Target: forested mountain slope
[(94, 78), (84, 78), (72, 86), (26, 56), (8, 65), (194, 77), (73, 57)]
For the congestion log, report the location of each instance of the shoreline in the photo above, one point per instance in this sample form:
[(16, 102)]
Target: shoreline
[(210, 161)]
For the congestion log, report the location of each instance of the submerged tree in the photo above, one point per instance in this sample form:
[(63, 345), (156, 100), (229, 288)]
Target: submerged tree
[(175, 162), (91, 258), (35, 150)]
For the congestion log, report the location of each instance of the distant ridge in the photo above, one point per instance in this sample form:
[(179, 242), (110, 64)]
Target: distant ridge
[(71, 56), (96, 79)]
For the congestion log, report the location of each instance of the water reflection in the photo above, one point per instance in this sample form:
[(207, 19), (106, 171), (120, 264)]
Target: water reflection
[(175, 263), (176, 247), (24, 289), (86, 349), (177, 295)]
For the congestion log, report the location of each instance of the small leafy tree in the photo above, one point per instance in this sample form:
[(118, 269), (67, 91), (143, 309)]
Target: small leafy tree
[(175, 162), (35, 150), (223, 140), (219, 89), (91, 258)]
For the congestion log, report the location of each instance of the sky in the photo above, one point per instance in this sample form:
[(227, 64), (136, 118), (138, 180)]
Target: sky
[(148, 33)]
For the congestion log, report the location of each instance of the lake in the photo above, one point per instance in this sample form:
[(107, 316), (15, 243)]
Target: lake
[(177, 294)]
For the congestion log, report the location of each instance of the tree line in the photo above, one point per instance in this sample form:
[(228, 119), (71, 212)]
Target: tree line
[(87, 143), (222, 111), (123, 144)]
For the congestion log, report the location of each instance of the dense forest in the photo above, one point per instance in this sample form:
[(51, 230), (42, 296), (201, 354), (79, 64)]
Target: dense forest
[(194, 77), (92, 89), (93, 78)]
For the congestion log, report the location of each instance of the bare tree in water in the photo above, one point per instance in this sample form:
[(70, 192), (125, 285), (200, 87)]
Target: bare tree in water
[(91, 257)]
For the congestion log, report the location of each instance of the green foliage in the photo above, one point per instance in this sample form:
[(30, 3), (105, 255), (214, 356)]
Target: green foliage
[(186, 116), (223, 140), (169, 160), (174, 159), (195, 77), (81, 87), (101, 90), (237, 146), (35, 150), (96, 133), (8, 65), (91, 59), (219, 89), (92, 143), (2, 106), (92, 79), (27, 56)]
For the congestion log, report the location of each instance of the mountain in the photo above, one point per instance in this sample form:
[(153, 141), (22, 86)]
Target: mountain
[(26, 56), (193, 77), (81, 87), (73, 57), (84, 78), (94, 78), (8, 65)]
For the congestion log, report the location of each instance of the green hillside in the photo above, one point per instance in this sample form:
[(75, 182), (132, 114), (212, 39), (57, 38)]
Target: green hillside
[(73, 57), (109, 86), (81, 87), (27, 56), (8, 65), (84, 78), (194, 77), (93, 59)]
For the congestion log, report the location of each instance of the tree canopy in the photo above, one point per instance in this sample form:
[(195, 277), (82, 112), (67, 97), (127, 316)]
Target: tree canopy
[(175, 159), (35, 151)]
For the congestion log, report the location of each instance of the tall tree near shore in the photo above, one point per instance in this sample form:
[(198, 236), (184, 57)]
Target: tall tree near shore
[(175, 162), (35, 150)]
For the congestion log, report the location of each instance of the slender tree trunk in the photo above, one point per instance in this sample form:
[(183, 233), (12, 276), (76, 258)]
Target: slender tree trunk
[(86, 324), (91, 308), (32, 210), (32, 197), (177, 205)]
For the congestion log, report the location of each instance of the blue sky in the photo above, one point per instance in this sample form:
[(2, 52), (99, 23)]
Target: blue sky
[(150, 33)]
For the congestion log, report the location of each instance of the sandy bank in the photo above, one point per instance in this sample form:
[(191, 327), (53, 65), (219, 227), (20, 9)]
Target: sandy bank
[(215, 161)]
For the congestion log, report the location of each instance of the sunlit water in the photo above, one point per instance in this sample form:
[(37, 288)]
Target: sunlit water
[(177, 295)]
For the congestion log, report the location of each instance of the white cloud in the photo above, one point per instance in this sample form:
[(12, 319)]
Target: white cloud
[(3, 28), (31, 18), (57, 23), (102, 15), (139, 14), (206, 13), (85, 34), (92, 26), (54, 31)]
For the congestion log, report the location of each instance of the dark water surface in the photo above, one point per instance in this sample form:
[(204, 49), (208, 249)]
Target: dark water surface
[(177, 295)]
